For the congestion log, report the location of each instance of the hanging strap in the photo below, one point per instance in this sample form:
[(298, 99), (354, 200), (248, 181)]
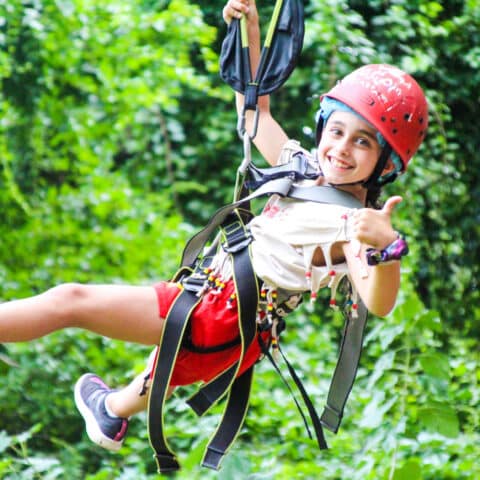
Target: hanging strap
[(342, 380), (346, 368), (231, 424), (174, 328)]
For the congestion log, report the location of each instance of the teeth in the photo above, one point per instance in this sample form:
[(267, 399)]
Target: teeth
[(339, 164)]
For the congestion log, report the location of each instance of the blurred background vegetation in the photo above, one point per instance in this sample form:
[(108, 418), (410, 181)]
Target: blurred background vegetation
[(117, 141)]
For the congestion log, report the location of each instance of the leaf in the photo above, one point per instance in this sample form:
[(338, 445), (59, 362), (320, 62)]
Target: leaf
[(410, 470), (374, 412), (435, 365), (439, 418), (389, 334), (384, 363)]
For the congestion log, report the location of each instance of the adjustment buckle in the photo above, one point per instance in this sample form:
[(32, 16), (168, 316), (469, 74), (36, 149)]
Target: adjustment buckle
[(237, 237), (194, 282)]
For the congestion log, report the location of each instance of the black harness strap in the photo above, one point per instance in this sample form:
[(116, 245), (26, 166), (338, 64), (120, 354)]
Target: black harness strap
[(237, 243), (232, 421), (171, 340), (246, 288)]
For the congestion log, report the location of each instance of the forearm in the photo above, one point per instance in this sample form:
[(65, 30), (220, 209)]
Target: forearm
[(377, 286), (381, 288)]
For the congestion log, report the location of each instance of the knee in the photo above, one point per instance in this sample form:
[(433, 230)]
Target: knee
[(66, 301)]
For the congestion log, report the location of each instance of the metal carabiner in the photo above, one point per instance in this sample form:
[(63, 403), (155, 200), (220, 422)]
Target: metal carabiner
[(242, 120)]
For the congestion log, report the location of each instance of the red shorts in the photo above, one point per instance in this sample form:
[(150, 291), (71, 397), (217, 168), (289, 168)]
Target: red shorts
[(212, 323)]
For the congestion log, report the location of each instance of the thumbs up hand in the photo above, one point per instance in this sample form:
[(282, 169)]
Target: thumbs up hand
[(374, 227)]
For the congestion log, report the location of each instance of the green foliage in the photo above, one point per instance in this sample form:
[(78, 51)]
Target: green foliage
[(117, 139)]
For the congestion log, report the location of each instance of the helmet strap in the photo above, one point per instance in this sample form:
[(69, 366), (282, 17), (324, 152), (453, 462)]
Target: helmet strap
[(375, 178)]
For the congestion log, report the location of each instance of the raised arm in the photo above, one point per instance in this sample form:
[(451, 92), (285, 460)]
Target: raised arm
[(270, 136)]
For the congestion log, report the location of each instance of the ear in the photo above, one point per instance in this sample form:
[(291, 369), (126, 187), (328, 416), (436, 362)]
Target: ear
[(389, 167)]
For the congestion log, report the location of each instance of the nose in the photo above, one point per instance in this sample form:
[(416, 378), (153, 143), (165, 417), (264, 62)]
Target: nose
[(342, 147)]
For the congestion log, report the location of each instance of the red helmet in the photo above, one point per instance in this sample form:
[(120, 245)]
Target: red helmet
[(391, 100)]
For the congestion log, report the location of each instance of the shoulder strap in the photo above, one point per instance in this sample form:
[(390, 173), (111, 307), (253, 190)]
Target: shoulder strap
[(282, 186)]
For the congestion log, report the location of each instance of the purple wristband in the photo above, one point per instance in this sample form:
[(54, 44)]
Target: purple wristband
[(395, 251)]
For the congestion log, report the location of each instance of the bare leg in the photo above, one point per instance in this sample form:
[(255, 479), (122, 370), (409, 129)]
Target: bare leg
[(117, 311), (127, 401)]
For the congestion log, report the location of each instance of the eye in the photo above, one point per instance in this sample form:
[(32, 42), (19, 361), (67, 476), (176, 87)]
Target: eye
[(364, 141), (335, 131)]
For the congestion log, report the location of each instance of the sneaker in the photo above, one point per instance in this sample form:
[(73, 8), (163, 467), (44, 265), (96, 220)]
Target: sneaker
[(102, 429)]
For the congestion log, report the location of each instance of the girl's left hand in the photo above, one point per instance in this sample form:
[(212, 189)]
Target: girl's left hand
[(374, 227)]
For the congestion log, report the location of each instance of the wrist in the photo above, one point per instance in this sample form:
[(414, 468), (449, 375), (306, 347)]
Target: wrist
[(392, 252)]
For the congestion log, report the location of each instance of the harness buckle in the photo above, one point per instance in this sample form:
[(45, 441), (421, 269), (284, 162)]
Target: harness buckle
[(194, 282), (237, 237)]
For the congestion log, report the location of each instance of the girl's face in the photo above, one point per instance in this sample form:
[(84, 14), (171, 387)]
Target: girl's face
[(348, 150)]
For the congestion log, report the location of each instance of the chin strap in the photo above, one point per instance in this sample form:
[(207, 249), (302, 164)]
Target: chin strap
[(375, 180)]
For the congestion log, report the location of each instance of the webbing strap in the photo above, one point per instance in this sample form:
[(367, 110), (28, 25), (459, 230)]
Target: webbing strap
[(247, 301), (230, 426), (174, 328), (237, 243), (246, 288), (346, 368), (342, 380), (322, 444)]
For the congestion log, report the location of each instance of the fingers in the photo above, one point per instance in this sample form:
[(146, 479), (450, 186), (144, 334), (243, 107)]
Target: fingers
[(235, 9), (374, 227), (390, 204)]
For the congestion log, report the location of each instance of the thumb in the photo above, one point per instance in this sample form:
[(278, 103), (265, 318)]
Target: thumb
[(390, 204)]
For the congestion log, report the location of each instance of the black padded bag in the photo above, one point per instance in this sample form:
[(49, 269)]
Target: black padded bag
[(278, 60)]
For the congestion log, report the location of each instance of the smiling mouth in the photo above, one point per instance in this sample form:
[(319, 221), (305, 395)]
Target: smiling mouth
[(337, 163)]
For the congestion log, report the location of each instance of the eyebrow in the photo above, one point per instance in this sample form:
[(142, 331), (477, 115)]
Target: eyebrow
[(362, 131)]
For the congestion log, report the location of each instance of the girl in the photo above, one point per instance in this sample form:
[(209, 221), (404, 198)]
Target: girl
[(369, 127)]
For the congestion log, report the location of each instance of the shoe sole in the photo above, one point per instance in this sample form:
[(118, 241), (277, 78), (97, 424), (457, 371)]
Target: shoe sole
[(93, 430)]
